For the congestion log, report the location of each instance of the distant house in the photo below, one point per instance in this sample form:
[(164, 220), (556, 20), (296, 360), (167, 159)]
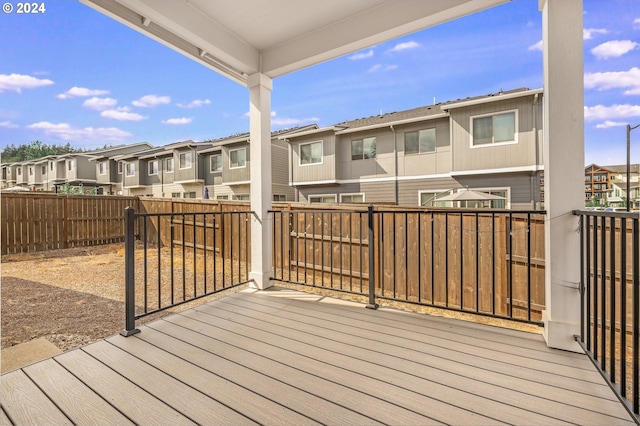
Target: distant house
[(617, 192), (490, 143), (109, 170)]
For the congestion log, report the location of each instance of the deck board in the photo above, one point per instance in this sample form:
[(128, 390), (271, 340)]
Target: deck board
[(285, 357)]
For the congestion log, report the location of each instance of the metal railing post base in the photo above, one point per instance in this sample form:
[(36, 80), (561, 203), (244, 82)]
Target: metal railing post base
[(371, 306), (127, 333)]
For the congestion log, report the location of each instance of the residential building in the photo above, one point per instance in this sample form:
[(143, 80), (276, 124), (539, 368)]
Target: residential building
[(109, 171), (596, 184), (490, 143), (617, 193)]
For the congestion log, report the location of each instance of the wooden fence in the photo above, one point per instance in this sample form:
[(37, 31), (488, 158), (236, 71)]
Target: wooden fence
[(42, 221), (485, 262)]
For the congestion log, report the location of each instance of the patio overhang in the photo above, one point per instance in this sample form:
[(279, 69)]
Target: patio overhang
[(276, 37)]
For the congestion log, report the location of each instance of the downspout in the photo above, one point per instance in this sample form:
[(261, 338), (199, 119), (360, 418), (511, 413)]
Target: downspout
[(395, 154)]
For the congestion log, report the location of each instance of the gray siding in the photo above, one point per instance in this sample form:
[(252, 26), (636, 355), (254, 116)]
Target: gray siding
[(422, 164), (187, 174), (132, 181), (85, 169), (409, 190), (279, 162), (381, 166), (523, 187), (524, 153), (240, 174), (325, 171)]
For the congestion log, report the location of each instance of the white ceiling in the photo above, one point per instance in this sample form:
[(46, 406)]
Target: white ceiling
[(242, 37)]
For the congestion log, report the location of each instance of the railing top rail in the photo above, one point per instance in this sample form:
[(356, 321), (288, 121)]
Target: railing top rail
[(244, 212), (420, 211), (602, 213)]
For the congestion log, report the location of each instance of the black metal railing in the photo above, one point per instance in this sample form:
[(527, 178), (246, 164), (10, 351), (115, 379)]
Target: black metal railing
[(485, 262), (610, 291), (175, 258)]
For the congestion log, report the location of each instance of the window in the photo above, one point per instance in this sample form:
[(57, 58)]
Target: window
[(102, 168), (237, 158), (430, 198), (30, 171), (186, 158), (175, 195), (19, 172), (420, 142), (494, 204), (352, 198), (222, 197), (119, 167), (494, 129), (191, 194), (168, 167), (43, 170), (322, 198), (587, 178), (612, 177), (311, 153), (153, 167), (71, 164), (362, 149), (277, 197), (51, 165), (587, 187), (241, 197), (131, 169), (216, 163)]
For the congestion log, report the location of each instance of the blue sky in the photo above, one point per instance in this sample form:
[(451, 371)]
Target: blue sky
[(73, 75)]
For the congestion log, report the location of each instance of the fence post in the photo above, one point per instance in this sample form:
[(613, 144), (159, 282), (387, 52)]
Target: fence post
[(372, 280), (129, 272)]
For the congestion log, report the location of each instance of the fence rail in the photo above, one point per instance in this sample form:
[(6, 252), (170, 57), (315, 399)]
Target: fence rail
[(36, 221), (185, 256), (610, 293), (483, 262)]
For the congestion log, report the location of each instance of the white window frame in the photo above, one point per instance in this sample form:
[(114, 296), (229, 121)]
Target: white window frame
[(301, 164), (71, 164), (130, 171), (167, 168), (245, 158), (506, 189), (149, 167), (190, 154), (30, 170), (435, 142), (120, 167), (19, 171), (242, 197), (444, 192), (351, 194), (515, 129), (43, 170), (51, 165), (310, 197), (102, 168), (279, 196), (211, 163), (222, 197)]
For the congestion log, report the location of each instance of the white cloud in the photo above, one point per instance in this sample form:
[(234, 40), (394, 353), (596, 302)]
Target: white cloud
[(195, 104), (362, 55), (608, 123), (629, 80), (17, 82), (81, 92), (292, 122), (587, 33), (99, 103), (66, 132), (405, 46), (8, 125), (150, 101), (122, 114), (177, 121), (636, 24), (613, 112), (537, 46), (613, 49), (382, 68)]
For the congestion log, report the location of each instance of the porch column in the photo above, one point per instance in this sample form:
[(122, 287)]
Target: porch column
[(260, 87), (563, 67)]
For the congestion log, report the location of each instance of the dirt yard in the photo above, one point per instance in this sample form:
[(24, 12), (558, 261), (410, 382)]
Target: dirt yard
[(70, 297)]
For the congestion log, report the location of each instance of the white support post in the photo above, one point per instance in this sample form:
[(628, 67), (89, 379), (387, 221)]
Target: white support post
[(260, 87), (563, 65)]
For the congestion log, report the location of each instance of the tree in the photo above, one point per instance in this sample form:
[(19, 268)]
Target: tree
[(33, 150)]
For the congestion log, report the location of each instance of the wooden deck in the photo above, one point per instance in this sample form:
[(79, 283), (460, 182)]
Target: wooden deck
[(284, 357)]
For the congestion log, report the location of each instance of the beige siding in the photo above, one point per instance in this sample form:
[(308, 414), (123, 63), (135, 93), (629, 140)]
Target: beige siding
[(437, 162), (521, 154), (280, 162), (315, 172)]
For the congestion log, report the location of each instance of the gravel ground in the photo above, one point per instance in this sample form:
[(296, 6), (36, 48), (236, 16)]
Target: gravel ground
[(71, 297)]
